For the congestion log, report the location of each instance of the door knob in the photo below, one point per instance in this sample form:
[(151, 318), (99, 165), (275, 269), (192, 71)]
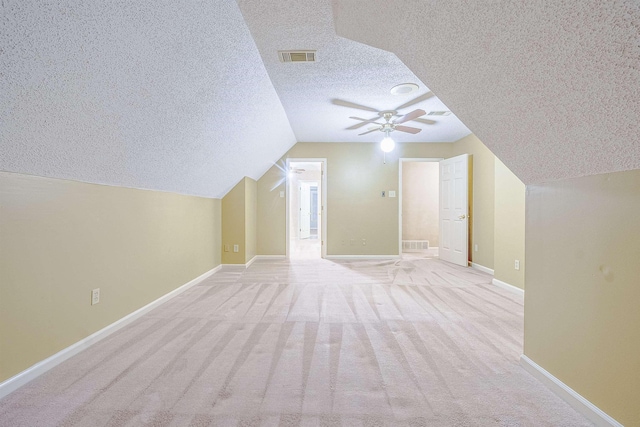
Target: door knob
[(463, 216)]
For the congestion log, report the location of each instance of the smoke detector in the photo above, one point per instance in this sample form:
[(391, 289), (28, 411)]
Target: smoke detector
[(404, 89)]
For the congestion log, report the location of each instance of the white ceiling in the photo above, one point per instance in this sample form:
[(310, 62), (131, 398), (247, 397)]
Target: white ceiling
[(189, 96), (165, 95), (552, 88), (345, 71)]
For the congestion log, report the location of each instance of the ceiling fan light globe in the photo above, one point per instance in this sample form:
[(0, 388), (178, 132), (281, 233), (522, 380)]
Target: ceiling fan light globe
[(387, 144)]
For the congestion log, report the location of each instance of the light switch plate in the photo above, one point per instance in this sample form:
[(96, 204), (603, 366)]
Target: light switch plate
[(282, 194), (392, 193)]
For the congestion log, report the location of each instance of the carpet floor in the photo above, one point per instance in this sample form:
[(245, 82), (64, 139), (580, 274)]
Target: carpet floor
[(411, 342)]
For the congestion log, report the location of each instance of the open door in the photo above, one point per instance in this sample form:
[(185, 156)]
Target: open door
[(305, 210), (454, 210)]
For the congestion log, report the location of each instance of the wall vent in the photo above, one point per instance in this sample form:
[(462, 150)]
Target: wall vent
[(438, 113), (297, 55), (415, 245)]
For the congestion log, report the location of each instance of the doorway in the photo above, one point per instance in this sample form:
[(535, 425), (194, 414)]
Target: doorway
[(419, 207), (306, 202)]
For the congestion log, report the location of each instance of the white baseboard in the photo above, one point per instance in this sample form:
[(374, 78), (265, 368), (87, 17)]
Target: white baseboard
[(507, 286), (20, 379), (362, 257), (270, 257), (234, 267), (579, 403), (482, 268), (240, 267)]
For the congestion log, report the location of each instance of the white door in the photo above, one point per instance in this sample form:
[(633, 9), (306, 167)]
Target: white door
[(454, 210), (305, 210)]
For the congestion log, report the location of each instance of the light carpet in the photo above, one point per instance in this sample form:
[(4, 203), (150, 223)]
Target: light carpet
[(412, 342)]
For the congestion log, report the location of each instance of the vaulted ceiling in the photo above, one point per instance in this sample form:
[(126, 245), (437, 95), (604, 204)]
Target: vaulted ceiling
[(189, 96), (552, 88)]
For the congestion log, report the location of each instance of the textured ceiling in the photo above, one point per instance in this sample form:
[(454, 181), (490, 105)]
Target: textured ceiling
[(553, 88), (345, 71), (189, 96), (165, 95)]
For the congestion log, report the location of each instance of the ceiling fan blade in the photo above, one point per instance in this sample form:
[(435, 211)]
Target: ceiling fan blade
[(408, 129), (363, 122), (425, 121), (414, 101), (352, 105), (410, 116), (372, 130)]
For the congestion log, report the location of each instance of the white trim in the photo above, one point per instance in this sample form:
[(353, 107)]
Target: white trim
[(231, 267), (240, 266), (482, 268), (45, 365), (247, 265), (507, 286), (579, 403), (362, 257), (400, 161)]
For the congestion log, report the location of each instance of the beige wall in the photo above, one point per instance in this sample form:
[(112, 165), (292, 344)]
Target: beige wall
[(271, 220), (582, 322), (420, 201), (60, 239), (509, 226), (356, 176), (240, 222), (482, 197), (234, 224), (251, 219)]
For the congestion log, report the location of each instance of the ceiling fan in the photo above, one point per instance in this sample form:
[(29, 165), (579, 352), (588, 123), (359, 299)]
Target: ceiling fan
[(393, 125), (388, 115)]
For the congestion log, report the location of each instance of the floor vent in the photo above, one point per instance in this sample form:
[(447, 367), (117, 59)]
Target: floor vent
[(297, 55), (415, 245)]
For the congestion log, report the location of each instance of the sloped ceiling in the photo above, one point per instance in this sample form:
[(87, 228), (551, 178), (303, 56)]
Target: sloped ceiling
[(164, 95), (552, 88), (346, 72), (189, 97), (175, 95)]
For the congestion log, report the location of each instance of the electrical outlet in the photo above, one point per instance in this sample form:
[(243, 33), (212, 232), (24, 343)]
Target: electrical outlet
[(226, 248), (517, 264), (392, 193), (364, 242), (236, 248), (475, 248), (282, 194), (95, 296)]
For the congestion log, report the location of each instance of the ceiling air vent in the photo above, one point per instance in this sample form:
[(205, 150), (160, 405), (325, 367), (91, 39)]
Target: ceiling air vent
[(297, 55), (438, 113)]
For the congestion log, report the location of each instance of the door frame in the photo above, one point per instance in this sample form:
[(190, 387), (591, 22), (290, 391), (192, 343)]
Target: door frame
[(323, 196), (402, 160)]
